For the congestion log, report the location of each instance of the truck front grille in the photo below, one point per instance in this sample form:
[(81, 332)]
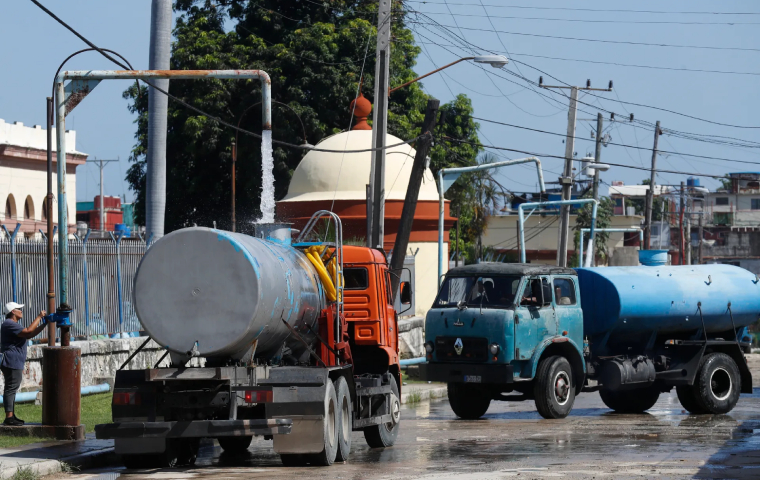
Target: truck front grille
[(473, 349)]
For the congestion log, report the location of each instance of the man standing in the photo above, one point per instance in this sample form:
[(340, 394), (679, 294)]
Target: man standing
[(13, 339)]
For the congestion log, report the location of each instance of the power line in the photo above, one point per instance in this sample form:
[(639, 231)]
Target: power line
[(546, 155), (597, 40), (595, 10), (615, 144), (584, 20)]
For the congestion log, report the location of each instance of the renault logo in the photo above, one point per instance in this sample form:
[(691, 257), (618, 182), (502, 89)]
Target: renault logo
[(458, 346)]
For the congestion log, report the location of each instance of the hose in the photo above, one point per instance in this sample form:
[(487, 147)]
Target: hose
[(328, 272)]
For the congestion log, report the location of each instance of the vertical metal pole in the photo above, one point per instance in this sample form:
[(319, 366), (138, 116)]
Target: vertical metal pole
[(86, 285), (234, 159), (63, 220), (117, 241), (517, 234), (50, 227), (659, 240), (592, 235), (376, 236), (12, 237), (689, 208), (650, 193), (567, 180), (521, 237), (102, 203), (159, 59)]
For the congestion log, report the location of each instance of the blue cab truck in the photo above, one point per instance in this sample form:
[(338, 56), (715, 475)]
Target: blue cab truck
[(515, 332)]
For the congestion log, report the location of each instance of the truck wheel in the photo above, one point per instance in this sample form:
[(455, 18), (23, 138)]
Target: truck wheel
[(381, 436), (235, 444), (630, 401), (688, 398), (554, 388), (718, 383), (345, 419), (468, 401), (330, 432)]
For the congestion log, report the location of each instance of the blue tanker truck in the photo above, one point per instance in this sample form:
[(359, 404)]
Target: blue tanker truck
[(518, 332)]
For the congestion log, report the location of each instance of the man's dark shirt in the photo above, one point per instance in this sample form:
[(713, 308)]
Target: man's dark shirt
[(13, 346)]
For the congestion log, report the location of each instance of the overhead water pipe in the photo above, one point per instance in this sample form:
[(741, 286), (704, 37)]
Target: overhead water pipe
[(447, 177), (535, 205), (82, 82), (611, 230)]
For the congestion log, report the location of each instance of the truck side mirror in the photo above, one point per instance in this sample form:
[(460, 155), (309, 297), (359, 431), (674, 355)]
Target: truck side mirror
[(406, 293)]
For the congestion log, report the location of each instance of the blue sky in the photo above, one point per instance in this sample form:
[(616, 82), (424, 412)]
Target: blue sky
[(34, 45)]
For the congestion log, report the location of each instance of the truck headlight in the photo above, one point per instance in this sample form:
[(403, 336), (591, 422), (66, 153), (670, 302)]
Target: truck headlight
[(429, 347), (494, 348)]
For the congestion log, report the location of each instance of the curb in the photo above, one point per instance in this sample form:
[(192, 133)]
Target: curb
[(93, 459), (418, 395)]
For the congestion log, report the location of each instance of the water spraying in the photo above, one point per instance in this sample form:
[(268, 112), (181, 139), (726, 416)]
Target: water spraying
[(267, 179)]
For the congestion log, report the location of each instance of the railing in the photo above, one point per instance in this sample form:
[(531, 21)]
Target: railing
[(101, 276)]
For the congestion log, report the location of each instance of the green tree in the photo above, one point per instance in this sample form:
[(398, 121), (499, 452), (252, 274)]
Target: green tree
[(639, 204), (314, 53)]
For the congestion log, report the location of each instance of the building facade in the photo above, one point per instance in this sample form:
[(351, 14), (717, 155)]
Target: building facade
[(23, 177)]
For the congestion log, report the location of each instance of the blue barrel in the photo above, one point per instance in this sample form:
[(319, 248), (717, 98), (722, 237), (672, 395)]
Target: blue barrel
[(121, 228), (665, 299), (653, 258)]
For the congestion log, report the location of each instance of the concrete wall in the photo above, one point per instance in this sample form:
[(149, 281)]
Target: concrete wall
[(411, 337), (425, 273), (624, 256), (100, 359)]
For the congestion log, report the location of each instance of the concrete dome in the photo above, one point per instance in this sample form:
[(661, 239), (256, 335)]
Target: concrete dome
[(328, 176)]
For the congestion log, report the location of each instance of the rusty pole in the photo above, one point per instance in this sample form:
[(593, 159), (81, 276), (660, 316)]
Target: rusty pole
[(234, 159), (50, 234)]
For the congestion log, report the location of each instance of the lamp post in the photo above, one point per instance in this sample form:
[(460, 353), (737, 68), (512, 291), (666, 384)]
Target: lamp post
[(496, 61), (236, 144), (376, 194)]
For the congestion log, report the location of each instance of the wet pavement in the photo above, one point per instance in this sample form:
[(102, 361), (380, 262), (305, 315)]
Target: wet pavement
[(512, 440)]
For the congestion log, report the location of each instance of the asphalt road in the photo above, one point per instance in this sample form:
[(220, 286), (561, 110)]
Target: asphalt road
[(512, 440)]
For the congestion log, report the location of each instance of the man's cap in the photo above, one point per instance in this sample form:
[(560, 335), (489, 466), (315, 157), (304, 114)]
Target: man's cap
[(12, 306)]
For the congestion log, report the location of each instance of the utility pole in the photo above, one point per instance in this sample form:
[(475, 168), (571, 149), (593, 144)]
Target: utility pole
[(566, 180), (680, 229), (597, 156), (158, 105), (376, 234), (50, 230), (101, 208), (412, 194), (650, 192), (456, 246)]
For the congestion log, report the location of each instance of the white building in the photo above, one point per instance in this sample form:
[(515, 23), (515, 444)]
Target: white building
[(23, 177)]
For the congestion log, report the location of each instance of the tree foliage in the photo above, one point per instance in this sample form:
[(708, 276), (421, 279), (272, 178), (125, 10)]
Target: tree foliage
[(604, 214), (315, 53)]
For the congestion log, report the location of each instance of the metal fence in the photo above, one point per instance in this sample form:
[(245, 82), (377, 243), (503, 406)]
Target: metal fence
[(101, 277)]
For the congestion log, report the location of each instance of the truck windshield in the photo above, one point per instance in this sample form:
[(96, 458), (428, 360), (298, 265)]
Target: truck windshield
[(477, 291)]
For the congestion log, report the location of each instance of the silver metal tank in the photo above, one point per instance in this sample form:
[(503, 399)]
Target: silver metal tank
[(212, 293)]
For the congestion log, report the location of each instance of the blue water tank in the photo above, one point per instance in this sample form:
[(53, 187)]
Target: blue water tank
[(665, 298), (653, 258), (692, 182), (123, 229)]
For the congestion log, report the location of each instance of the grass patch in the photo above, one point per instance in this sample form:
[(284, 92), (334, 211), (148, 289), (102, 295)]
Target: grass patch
[(95, 409), (414, 397), (25, 473)]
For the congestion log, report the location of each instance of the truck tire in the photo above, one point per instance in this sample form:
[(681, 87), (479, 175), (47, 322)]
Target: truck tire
[(688, 398), (345, 419), (718, 384), (381, 436), (630, 401), (468, 401), (554, 387), (235, 444), (330, 432)]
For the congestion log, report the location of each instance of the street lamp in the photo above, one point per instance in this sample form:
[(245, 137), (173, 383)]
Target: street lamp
[(496, 61)]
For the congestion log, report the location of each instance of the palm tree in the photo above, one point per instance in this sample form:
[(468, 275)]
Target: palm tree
[(489, 195)]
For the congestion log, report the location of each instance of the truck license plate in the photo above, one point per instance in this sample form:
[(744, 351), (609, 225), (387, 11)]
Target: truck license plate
[(472, 379)]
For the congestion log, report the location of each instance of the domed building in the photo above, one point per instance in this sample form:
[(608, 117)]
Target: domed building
[(338, 182)]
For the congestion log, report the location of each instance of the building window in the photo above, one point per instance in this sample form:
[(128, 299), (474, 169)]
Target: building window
[(755, 204), (8, 211), (721, 200), (28, 209), (753, 184), (44, 210)]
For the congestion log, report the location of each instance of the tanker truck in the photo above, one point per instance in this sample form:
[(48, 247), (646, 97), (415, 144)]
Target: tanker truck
[(298, 342), (517, 332)]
